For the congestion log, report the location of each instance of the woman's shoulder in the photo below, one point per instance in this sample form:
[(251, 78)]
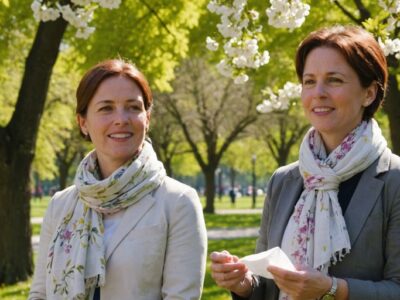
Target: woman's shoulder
[(395, 162), (392, 175), (176, 198), (171, 186), (64, 198), (291, 169)]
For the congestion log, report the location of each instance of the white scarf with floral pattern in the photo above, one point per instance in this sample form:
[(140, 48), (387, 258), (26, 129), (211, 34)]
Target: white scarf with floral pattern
[(316, 234), (76, 258)]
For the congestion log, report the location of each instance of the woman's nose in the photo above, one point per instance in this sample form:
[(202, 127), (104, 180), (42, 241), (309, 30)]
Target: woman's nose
[(121, 117), (319, 90)]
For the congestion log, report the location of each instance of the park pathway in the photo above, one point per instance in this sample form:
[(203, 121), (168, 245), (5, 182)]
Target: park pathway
[(212, 234)]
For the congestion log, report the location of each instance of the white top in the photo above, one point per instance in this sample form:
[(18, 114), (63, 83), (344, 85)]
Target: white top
[(111, 223)]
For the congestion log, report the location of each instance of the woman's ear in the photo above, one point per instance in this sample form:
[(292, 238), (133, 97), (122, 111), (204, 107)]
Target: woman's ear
[(371, 92), (82, 124)]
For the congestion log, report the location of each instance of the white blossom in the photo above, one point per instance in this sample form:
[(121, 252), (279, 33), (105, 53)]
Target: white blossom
[(212, 45), (287, 14), (254, 14), (390, 47), (110, 4), (36, 7), (212, 6), (84, 32), (264, 58), (265, 107), (238, 29), (240, 61), (50, 14), (81, 2), (242, 78), (281, 100), (239, 3), (78, 14), (224, 68), (393, 7)]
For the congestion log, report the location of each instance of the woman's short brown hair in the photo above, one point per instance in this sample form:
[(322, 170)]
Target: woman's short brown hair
[(106, 69), (361, 51)]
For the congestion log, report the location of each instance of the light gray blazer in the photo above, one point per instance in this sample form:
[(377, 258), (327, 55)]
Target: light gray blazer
[(372, 269), (157, 252)]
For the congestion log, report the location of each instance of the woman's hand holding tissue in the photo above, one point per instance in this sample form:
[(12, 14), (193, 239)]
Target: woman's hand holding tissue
[(231, 274)]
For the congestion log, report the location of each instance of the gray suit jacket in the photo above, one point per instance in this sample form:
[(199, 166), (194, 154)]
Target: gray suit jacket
[(157, 252), (372, 269)]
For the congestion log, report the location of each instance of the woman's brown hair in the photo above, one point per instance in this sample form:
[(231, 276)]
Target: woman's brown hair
[(361, 51), (106, 69)]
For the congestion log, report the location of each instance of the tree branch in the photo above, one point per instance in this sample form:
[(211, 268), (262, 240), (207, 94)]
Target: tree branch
[(364, 12), (152, 10), (346, 12)]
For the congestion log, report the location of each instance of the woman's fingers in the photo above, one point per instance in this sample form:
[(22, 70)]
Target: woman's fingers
[(302, 284), (221, 257)]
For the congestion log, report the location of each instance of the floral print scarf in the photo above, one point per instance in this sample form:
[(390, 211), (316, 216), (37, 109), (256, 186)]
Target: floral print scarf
[(76, 258), (316, 234)]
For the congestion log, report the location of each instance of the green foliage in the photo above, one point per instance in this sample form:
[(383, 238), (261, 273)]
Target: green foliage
[(39, 207), (152, 34), (239, 156), (17, 30)]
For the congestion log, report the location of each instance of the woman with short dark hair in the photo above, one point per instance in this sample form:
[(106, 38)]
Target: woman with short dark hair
[(335, 212), (124, 230)]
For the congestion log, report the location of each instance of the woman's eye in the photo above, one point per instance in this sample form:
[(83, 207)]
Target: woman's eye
[(105, 108), (135, 107), (335, 80), (308, 81)]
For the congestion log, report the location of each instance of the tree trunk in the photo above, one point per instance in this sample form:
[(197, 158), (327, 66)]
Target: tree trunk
[(168, 167), (17, 146), (392, 108), (209, 175)]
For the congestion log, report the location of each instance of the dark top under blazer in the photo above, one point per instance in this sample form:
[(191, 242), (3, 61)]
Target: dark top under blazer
[(372, 269)]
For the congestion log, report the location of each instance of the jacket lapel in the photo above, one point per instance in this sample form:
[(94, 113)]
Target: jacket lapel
[(365, 196), (291, 191), (131, 217)]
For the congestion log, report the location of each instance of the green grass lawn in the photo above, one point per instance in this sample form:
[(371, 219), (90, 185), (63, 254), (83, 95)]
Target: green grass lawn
[(212, 221), (244, 202), (17, 291), (232, 220), (39, 206)]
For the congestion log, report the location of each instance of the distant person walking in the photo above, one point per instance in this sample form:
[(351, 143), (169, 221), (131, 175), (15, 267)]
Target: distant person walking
[(232, 195)]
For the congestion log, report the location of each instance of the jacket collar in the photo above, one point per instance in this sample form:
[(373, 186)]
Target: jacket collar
[(366, 195)]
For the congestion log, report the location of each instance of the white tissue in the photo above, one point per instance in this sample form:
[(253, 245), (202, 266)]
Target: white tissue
[(258, 263)]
